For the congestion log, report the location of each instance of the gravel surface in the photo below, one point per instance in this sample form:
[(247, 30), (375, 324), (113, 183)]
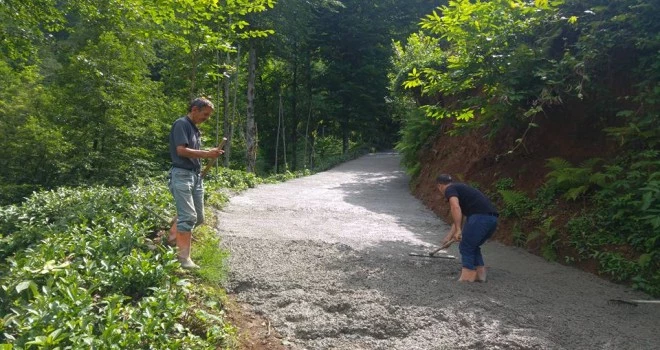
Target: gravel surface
[(325, 259)]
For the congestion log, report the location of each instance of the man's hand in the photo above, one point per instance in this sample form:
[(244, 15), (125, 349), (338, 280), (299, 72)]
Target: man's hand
[(214, 152), (458, 235)]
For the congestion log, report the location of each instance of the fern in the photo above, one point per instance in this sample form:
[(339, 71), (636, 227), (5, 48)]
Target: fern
[(516, 203), (575, 182)]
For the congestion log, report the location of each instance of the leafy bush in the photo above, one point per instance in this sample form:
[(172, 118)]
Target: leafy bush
[(505, 183), (516, 203), (519, 236), (234, 179), (545, 195), (10, 193), (78, 270), (573, 181), (327, 146), (549, 236), (625, 213), (582, 237), (616, 265)]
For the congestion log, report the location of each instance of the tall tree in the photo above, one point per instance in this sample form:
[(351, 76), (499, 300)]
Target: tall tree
[(104, 78), (251, 130), (355, 41)]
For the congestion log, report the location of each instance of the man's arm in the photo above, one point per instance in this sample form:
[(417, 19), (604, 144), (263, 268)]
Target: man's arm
[(457, 217), (449, 235), (184, 151)]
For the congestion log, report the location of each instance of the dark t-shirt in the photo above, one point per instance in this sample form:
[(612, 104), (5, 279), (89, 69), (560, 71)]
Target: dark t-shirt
[(184, 132), (471, 200)]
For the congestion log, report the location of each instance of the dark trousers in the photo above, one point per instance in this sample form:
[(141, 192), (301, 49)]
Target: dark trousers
[(477, 230)]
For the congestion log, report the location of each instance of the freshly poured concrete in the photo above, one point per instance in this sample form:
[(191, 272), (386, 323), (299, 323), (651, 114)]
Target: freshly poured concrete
[(325, 259)]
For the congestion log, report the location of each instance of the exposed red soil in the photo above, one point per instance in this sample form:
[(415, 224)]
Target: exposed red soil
[(254, 331)]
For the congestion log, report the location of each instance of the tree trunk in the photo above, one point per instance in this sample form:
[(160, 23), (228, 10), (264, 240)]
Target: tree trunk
[(250, 136), (226, 124), (193, 74), (308, 81), (234, 105), (345, 133), (294, 110), (277, 138)]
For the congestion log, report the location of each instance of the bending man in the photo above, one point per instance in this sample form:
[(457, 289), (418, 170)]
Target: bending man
[(474, 221), (185, 181)]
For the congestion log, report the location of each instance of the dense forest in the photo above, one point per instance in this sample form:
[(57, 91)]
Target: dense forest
[(89, 89)]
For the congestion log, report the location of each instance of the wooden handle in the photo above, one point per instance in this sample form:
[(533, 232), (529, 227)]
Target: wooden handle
[(444, 246), (211, 163)]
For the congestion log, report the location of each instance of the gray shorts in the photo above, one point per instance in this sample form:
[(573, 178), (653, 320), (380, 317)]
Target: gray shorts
[(187, 188)]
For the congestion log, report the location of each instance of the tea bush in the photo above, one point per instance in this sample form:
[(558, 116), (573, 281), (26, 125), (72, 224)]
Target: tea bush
[(78, 270)]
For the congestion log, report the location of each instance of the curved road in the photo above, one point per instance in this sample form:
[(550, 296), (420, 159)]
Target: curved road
[(325, 259)]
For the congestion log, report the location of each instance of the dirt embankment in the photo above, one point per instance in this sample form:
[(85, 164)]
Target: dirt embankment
[(476, 158)]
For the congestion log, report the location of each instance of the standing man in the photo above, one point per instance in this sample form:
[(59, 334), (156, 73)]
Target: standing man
[(474, 221), (185, 181)]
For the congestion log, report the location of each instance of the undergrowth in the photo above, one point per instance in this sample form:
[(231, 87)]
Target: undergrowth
[(618, 227)]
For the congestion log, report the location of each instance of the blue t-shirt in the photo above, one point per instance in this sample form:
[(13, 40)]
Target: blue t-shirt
[(184, 132), (471, 200)]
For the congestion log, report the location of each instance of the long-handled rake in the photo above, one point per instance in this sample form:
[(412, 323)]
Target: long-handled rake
[(434, 253)]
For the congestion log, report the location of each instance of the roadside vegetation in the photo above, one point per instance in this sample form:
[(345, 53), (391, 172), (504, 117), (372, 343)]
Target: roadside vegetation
[(86, 267), (528, 66)]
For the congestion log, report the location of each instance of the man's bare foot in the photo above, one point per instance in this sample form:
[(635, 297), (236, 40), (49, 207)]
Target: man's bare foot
[(481, 274), (468, 275)]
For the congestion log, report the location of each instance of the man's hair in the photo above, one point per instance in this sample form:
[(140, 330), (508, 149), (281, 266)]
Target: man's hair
[(443, 179), (200, 103)]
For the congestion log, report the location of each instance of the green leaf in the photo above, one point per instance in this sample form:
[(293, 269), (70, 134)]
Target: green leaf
[(23, 286), (576, 192), (645, 260), (625, 113), (541, 3)]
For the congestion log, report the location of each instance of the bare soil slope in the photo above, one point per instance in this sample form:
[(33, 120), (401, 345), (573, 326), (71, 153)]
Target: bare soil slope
[(324, 260)]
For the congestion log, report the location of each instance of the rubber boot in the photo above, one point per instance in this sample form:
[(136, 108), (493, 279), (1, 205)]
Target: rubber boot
[(468, 275), (171, 239), (481, 273), (183, 242)]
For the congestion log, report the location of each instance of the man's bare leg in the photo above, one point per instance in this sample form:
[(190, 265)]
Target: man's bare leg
[(481, 273), (468, 275)]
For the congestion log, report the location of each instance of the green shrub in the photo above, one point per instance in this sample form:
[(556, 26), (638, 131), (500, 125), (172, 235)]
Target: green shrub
[(516, 203), (624, 212), (519, 236), (78, 270), (549, 236), (505, 183), (580, 233), (574, 182), (11, 193), (616, 265)]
